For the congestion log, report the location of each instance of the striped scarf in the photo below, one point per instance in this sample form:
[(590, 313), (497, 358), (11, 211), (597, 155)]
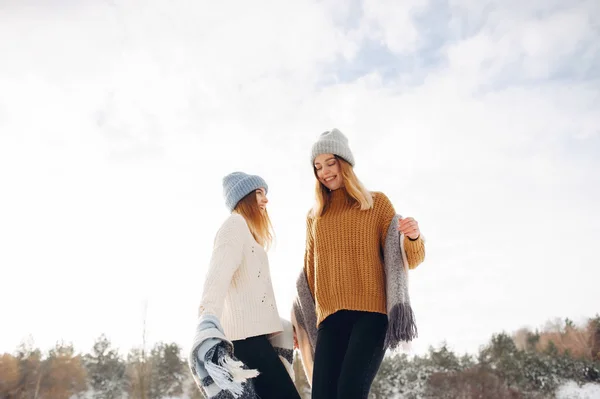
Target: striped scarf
[(217, 372)]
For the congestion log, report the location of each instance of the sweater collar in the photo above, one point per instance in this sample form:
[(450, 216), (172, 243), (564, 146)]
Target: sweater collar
[(339, 196)]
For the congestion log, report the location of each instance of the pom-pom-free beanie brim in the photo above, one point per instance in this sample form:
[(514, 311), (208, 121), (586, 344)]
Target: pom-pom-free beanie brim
[(333, 142), (237, 185)]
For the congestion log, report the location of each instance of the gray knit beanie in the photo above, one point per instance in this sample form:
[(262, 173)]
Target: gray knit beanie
[(332, 142), (237, 185)]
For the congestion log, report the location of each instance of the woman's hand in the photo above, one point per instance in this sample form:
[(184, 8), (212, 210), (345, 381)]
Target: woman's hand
[(409, 227)]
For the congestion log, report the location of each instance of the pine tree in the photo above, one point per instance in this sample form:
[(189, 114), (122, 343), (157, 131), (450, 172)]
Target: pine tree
[(106, 370), (167, 371), (444, 359)]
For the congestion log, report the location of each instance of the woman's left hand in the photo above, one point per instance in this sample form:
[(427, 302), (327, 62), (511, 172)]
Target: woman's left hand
[(409, 227)]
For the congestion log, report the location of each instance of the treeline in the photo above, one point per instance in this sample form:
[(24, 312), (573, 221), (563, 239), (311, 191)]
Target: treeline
[(526, 364), (61, 373)]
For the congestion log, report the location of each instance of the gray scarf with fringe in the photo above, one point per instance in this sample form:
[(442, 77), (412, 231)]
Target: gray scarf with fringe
[(401, 319)]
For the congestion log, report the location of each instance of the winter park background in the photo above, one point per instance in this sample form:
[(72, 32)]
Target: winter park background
[(119, 118)]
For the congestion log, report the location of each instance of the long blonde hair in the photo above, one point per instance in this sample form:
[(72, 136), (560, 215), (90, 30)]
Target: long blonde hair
[(362, 198), (258, 222)]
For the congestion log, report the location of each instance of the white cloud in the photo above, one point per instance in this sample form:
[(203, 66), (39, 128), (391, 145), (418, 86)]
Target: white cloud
[(117, 123), (392, 23), (516, 41)]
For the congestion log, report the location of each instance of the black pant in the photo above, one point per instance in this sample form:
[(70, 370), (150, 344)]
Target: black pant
[(273, 380), (348, 354)]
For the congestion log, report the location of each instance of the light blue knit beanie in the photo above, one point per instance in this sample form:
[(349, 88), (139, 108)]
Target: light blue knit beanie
[(332, 142), (237, 185)]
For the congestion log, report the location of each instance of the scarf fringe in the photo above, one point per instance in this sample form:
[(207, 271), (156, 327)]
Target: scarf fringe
[(239, 371), (402, 325), (230, 375)]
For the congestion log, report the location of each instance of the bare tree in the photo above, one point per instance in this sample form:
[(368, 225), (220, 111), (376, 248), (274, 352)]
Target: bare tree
[(137, 360)]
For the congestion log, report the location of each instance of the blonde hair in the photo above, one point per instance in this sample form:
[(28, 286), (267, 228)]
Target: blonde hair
[(258, 222), (357, 193)]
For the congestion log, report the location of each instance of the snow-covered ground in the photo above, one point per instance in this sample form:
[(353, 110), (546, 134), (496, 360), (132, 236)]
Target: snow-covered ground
[(571, 390)]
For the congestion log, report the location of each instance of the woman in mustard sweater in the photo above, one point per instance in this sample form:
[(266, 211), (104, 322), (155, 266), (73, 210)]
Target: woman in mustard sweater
[(344, 268)]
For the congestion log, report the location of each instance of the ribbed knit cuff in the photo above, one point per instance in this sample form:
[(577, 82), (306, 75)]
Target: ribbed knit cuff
[(415, 251)]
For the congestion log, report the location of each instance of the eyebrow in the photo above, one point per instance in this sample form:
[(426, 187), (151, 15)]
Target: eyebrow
[(327, 160)]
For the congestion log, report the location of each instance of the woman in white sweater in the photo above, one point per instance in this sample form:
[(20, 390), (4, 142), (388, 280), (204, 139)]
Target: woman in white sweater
[(238, 289)]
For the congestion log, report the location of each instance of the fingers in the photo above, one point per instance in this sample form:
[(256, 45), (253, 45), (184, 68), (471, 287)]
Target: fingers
[(407, 223), (412, 233), (409, 227)]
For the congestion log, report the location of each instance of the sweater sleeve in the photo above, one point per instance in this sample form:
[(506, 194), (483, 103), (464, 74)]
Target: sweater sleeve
[(309, 256), (415, 251), (225, 260)]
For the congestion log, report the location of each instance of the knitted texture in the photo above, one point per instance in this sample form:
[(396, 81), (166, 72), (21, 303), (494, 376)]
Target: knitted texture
[(415, 251), (344, 255), (237, 185), (238, 288), (345, 270), (402, 326), (332, 142)]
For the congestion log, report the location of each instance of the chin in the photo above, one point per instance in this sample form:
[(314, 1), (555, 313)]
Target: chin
[(330, 186)]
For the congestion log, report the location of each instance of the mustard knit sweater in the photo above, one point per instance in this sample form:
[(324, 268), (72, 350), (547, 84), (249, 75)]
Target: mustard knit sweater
[(344, 255)]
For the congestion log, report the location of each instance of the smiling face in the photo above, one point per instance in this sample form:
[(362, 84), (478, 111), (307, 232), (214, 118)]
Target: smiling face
[(261, 199), (327, 169)]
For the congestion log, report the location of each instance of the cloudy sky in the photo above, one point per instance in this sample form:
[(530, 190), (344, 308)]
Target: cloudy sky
[(118, 119)]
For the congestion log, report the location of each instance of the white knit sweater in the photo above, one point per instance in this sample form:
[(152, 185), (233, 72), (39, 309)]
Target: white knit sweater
[(238, 288)]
